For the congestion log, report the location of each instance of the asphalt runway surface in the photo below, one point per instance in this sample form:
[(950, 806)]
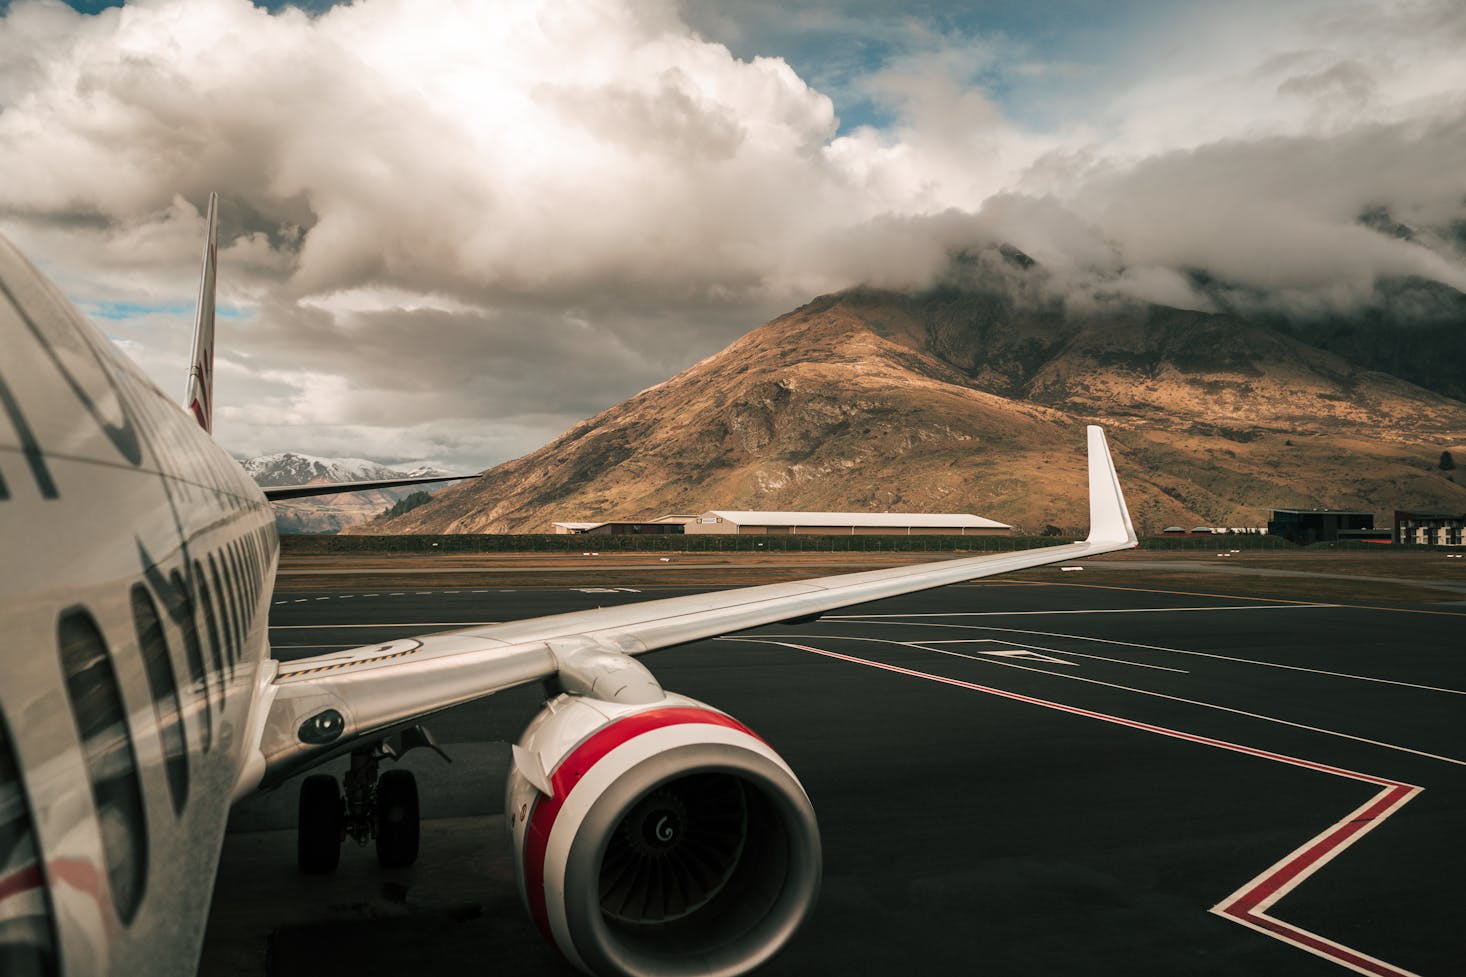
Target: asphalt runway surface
[(1012, 779)]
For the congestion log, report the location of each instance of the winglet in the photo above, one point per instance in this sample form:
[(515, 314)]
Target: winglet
[(199, 397), (1109, 519)]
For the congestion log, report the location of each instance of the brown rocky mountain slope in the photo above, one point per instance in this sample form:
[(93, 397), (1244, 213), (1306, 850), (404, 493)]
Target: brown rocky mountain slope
[(960, 401)]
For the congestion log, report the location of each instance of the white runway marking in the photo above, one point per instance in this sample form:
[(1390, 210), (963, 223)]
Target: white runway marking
[(1174, 651), (1113, 685), (1250, 904), (1063, 651), (1027, 655)]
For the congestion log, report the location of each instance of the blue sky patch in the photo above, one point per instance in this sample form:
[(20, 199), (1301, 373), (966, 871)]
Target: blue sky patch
[(122, 311)]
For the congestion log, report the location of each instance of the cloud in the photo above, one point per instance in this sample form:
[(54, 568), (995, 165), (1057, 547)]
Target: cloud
[(452, 230)]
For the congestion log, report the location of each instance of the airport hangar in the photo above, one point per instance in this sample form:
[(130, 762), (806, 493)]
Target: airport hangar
[(742, 522)]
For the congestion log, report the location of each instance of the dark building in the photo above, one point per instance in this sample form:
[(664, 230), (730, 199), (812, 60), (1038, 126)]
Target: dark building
[(1430, 528), (1304, 526)]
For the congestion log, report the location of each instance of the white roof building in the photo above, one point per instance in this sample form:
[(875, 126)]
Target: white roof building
[(845, 523)]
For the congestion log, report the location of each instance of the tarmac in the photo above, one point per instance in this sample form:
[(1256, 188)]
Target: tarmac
[(1012, 778)]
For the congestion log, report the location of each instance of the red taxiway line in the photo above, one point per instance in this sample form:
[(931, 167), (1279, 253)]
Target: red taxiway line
[(1249, 904)]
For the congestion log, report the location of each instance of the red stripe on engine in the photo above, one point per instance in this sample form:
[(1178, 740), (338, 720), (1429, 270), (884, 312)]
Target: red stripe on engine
[(573, 769)]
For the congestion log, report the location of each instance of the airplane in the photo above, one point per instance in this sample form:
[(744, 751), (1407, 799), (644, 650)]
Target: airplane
[(652, 834)]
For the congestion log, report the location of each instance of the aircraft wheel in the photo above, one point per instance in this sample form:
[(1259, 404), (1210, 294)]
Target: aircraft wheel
[(397, 819), (319, 828)]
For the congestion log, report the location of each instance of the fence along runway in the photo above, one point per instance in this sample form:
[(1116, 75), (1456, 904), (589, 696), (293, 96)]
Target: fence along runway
[(1024, 777)]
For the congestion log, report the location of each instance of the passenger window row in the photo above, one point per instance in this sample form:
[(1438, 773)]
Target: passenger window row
[(223, 589)]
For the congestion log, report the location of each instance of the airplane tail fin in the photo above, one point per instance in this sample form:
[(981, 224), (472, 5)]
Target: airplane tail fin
[(1109, 518), (199, 397)]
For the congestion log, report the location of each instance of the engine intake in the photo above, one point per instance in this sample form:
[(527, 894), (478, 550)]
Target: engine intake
[(672, 841)]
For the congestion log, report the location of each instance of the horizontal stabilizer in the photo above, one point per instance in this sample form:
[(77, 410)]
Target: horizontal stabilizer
[(278, 493)]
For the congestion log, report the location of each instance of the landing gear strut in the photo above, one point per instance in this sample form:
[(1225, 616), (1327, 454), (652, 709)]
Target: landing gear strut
[(384, 808)]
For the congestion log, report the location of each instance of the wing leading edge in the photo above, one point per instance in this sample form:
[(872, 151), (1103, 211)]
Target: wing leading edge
[(278, 493), (366, 693)]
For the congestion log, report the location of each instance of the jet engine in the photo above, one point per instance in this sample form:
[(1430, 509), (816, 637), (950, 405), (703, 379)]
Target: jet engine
[(659, 839)]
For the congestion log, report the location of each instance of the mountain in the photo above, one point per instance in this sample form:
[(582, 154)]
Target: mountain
[(330, 513), (970, 399)]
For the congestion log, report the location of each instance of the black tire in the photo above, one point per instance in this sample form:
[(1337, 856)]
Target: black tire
[(319, 828), (397, 819)]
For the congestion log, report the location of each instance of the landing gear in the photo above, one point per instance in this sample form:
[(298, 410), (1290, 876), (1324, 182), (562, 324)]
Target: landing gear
[(383, 808), (321, 825), (397, 819)]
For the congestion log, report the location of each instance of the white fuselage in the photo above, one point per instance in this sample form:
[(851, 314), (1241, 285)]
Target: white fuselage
[(138, 564)]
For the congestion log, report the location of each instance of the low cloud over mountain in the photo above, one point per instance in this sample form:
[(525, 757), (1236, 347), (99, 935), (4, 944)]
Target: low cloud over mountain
[(454, 230)]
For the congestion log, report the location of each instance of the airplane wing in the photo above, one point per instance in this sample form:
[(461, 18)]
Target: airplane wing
[(278, 493), (319, 708)]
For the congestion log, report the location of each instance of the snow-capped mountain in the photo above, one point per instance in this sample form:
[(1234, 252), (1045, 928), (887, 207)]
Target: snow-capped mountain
[(292, 468), (332, 513)]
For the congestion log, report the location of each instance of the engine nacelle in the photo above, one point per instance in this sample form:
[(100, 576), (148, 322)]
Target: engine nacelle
[(659, 840)]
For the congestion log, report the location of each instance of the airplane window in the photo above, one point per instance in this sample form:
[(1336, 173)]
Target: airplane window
[(246, 596), (256, 566), (211, 623), (194, 652), (27, 929), (97, 708), (241, 589), (163, 685), (256, 571), (230, 626), (246, 592)]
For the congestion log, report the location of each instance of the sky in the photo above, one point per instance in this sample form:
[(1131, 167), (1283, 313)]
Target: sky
[(451, 230)]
